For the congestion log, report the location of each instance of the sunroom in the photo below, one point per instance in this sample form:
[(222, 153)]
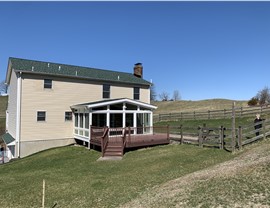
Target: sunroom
[(115, 115)]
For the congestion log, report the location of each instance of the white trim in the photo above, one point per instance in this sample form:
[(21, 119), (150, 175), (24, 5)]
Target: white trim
[(120, 111), (111, 102), (18, 115), (7, 118)]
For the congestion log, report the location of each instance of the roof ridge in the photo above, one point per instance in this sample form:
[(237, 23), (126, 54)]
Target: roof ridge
[(70, 65)]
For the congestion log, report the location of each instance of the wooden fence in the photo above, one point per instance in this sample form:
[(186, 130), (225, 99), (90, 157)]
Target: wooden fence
[(216, 114), (220, 137)]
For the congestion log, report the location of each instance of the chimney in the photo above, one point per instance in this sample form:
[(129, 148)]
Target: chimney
[(138, 70)]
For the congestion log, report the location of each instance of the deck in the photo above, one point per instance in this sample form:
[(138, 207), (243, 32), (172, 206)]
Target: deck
[(114, 141)]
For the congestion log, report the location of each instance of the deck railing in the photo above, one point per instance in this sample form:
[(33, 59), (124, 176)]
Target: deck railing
[(124, 135), (104, 140)]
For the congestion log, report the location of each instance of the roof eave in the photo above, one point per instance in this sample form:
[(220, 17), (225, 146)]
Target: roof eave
[(109, 102), (8, 74), (79, 77)]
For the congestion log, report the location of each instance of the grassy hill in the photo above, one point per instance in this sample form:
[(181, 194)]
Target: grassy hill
[(163, 176), (189, 106), (3, 105)]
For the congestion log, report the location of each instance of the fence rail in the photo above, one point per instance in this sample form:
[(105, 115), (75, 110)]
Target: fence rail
[(215, 114), (220, 137)]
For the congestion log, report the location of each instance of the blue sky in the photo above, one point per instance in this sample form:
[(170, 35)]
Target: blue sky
[(204, 50)]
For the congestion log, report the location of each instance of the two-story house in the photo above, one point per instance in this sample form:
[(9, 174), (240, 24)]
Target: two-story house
[(52, 104)]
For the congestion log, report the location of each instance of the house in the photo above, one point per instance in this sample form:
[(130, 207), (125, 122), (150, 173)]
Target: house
[(52, 104)]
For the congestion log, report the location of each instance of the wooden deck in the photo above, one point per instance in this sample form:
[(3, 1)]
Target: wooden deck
[(147, 140), (139, 140), (113, 142)]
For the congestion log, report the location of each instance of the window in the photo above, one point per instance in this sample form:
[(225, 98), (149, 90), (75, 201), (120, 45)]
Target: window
[(47, 83), (106, 91), (41, 116), (68, 116), (136, 93)]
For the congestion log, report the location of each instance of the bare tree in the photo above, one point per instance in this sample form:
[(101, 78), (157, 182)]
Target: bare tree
[(3, 88), (176, 95), (153, 93), (164, 96), (263, 96)]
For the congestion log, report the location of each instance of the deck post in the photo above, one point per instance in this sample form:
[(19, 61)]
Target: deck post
[(168, 132), (129, 137), (90, 132)]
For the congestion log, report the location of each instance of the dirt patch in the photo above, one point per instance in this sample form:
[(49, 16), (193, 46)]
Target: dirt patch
[(176, 193)]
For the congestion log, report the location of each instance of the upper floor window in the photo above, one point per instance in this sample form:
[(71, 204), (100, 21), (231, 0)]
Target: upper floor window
[(41, 116), (136, 93), (48, 83), (106, 91), (68, 116)]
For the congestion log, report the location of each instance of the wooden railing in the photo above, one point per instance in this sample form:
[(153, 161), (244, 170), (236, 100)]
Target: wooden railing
[(220, 137), (215, 114), (104, 140), (246, 133)]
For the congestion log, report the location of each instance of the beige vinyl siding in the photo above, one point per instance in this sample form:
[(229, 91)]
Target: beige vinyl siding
[(65, 92), (144, 95), (55, 102), (127, 92), (12, 105)]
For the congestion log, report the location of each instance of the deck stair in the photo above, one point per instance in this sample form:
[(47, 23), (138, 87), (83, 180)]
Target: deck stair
[(114, 148)]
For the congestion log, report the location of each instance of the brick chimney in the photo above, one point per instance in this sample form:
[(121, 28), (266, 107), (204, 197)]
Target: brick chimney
[(138, 70)]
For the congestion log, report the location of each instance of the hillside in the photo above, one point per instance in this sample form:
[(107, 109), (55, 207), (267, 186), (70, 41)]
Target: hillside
[(241, 182), (202, 105), (3, 105)]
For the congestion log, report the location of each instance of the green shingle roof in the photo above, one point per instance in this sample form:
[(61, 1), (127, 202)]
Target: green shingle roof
[(57, 69), (7, 138)]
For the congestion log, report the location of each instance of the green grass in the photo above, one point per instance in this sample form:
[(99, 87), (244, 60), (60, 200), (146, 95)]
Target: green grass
[(209, 122), (74, 177), (241, 182), (198, 106)]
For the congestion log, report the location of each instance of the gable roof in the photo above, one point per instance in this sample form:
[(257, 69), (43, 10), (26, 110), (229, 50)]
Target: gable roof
[(113, 101), (65, 70), (7, 138)]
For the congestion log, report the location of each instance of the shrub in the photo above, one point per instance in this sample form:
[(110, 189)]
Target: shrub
[(253, 101)]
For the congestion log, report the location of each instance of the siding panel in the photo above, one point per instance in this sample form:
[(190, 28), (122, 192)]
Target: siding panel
[(12, 105)]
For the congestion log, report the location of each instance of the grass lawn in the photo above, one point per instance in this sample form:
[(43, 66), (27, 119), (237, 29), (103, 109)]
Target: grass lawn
[(74, 177), (198, 106), (241, 182), (210, 122)]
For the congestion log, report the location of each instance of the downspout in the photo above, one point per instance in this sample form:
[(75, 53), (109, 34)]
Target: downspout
[(18, 115)]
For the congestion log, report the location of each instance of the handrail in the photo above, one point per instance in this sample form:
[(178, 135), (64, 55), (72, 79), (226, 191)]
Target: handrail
[(104, 140)]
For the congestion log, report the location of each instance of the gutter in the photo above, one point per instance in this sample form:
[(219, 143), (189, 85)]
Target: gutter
[(18, 114)]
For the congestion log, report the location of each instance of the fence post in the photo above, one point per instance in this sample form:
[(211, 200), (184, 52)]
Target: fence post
[(181, 134), (240, 137), (221, 137), (208, 114), (264, 129), (194, 115), (200, 137), (233, 127)]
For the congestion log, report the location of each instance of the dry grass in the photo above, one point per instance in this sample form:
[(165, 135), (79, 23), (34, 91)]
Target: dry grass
[(189, 106), (3, 105), (241, 182)]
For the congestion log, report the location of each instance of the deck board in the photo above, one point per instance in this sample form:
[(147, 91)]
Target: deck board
[(139, 140)]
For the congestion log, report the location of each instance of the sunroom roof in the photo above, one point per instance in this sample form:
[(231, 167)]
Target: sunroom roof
[(113, 101)]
